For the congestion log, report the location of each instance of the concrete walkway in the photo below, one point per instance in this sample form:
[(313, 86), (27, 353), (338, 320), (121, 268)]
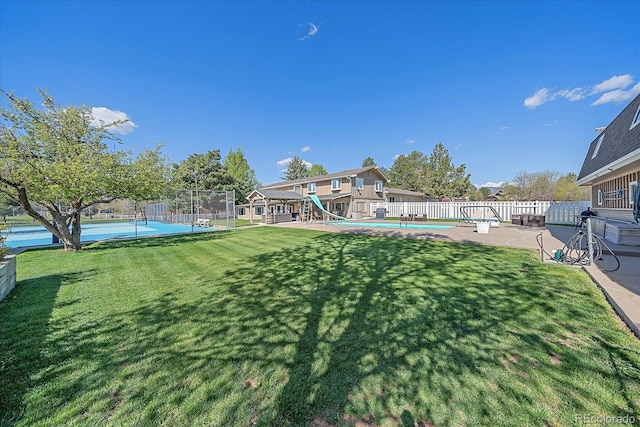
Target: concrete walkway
[(621, 287)]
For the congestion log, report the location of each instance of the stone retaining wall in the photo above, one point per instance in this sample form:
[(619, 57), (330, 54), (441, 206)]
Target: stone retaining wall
[(7, 276)]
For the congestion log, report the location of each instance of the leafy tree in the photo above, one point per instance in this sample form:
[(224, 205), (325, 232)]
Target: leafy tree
[(443, 178), (483, 193), (6, 206), (57, 158), (317, 170), (296, 169), (545, 185), (407, 171), (206, 170), (368, 162), (518, 189), (3, 249), (244, 178), (567, 189), (434, 175), (200, 174)]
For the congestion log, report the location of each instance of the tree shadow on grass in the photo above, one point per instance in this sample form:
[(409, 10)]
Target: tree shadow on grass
[(341, 330), (24, 318)]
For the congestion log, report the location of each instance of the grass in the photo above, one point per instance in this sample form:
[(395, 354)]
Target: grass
[(269, 326)]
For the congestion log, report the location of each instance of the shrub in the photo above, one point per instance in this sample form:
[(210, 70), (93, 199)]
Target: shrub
[(3, 249)]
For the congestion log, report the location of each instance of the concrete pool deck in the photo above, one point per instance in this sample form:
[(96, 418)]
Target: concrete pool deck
[(621, 287)]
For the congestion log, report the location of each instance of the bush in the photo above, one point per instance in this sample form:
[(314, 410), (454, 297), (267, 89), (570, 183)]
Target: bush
[(3, 249)]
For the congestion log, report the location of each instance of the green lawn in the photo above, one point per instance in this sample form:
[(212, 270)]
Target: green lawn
[(273, 326)]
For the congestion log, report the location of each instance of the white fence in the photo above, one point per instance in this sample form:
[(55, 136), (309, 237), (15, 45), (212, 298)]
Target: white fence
[(554, 212)]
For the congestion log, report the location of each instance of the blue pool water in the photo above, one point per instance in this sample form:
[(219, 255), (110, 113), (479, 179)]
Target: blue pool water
[(37, 235), (390, 225)]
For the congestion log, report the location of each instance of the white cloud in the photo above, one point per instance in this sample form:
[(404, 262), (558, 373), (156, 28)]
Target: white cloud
[(612, 90), (505, 128), (491, 184), (571, 94), (104, 116), (543, 96), (396, 156), (284, 162), (618, 96), (306, 148), (615, 82), (411, 141), (313, 30), (537, 99)]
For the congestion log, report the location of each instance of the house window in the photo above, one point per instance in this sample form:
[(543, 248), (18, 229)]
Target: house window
[(360, 183), (595, 152), (336, 184), (633, 187), (599, 197), (392, 199), (378, 186), (636, 119), (259, 210), (297, 189), (311, 187), (241, 211)]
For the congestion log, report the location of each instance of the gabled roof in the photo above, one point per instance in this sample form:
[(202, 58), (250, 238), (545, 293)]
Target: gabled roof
[(343, 174), (266, 193), (616, 146)]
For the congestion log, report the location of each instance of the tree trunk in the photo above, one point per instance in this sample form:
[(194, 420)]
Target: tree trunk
[(58, 226), (74, 242)]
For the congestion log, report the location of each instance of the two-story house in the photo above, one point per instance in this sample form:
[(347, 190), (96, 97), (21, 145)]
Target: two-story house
[(348, 194)]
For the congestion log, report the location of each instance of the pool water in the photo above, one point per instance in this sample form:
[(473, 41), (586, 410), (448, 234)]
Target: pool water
[(37, 235), (390, 225)]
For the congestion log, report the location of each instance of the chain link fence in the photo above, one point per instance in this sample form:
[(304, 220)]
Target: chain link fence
[(183, 207), (193, 207)]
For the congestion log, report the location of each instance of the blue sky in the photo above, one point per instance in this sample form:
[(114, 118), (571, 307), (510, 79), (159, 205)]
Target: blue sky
[(505, 86)]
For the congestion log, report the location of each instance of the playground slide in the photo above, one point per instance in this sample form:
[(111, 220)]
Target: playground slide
[(318, 203)]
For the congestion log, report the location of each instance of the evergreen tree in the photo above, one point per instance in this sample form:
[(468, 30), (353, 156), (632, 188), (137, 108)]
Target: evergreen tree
[(296, 169), (368, 162), (407, 171), (442, 178), (244, 178)]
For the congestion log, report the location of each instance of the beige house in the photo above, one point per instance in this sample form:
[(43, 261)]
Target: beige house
[(347, 194), (400, 195)]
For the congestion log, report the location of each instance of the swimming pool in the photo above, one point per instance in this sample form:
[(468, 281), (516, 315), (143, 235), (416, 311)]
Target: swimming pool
[(390, 225), (22, 236)]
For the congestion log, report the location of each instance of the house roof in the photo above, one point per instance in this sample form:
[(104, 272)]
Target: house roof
[(266, 193), (615, 147), (343, 174), (400, 191)]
